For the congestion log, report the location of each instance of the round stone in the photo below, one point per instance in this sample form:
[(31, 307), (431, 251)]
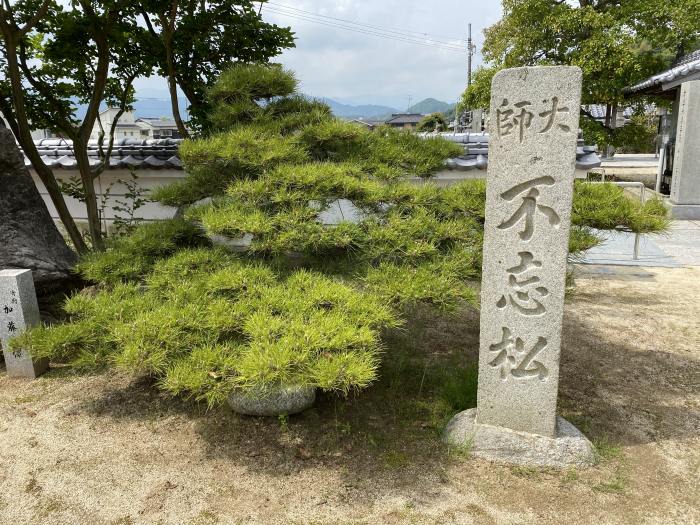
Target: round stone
[(276, 402)]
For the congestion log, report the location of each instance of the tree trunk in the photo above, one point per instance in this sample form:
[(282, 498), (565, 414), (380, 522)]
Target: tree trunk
[(86, 176), (28, 236), (168, 32)]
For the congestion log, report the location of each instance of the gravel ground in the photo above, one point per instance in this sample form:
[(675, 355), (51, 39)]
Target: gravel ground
[(110, 449)]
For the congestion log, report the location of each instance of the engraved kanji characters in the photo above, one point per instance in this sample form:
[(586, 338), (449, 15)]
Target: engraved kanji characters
[(529, 206), (513, 359), (552, 115), (518, 115), (509, 118), (11, 327), (524, 294)]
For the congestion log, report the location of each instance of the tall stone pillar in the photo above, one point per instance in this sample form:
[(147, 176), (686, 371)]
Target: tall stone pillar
[(685, 184), (532, 159)]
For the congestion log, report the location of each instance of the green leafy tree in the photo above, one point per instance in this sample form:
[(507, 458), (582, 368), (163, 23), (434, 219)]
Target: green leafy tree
[(432, 122), (615, 43), (197, 40), (54, 56), (478, 94)]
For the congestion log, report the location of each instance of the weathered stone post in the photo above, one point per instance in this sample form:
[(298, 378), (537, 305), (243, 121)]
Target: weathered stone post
[(18, 311), (532, 154), (685, 184)]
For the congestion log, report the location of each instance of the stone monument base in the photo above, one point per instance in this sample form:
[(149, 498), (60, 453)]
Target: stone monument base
[(687, 212), (24, 366), (570, 448)]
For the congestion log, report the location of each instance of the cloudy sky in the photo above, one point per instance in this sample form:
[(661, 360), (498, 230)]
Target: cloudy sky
[(357, 67), (360, 68)]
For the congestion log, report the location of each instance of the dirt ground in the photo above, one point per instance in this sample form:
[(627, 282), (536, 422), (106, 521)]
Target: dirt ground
[(109, 449)]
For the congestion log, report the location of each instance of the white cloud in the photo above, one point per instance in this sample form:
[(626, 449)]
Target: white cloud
[(361, 68)]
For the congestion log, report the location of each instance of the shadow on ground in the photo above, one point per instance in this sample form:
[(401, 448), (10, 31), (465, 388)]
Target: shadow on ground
[(612, 391)]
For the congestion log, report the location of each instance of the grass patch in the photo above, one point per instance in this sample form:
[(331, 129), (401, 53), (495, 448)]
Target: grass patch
[(606, 449), (525, 472), (571, 475), (26, 398), (462, 451), (396, 459), (617, 485)]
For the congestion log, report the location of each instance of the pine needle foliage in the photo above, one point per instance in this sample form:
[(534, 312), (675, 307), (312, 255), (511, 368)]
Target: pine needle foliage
[(206, 323), (212, 163), (606, 207), (128, 258)]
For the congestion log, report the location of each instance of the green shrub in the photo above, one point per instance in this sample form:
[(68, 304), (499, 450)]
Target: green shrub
[(432, 121), (253, 82), (214, 162), (241, 327), (130, 257), (290, 114), (306, 305), (606, 207), (335, 140), (386, 153), (405, 153)]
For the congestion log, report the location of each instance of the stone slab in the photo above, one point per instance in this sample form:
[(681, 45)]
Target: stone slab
[(532, 154), (568, 448), (19, 310), (685, 184)]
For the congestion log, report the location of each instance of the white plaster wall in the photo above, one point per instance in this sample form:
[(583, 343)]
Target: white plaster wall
[(147, 179)]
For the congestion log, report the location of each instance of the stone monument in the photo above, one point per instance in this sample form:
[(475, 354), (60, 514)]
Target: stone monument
[(18, 311), (685, 184), (532, 153)]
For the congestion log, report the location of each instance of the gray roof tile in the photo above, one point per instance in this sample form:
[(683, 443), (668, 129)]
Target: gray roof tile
[(476, 152), (128, 152), (683, 67)]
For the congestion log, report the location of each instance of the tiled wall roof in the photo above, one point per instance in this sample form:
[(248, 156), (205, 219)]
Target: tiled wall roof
[(126, 153), (163, 154), (476, 151), (683, 67)]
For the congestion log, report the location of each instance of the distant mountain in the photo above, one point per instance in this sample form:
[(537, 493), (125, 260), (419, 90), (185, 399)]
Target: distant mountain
[(147, 108), (366, 110), (430, 105), (159, 107)]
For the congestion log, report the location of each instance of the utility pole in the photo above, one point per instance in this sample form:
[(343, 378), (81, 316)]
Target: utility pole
[(470, 52), (410, 98)]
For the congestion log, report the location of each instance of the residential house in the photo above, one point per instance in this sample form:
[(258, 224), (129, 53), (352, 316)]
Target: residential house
[(158, 128), (371, 125), (404, 120), (130, 127)]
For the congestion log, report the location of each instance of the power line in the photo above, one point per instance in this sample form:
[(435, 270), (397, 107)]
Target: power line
[(407, 39), (401, 32), (368, 32), (324, 20)]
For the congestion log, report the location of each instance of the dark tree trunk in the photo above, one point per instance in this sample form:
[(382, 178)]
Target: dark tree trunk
[(28, 236)]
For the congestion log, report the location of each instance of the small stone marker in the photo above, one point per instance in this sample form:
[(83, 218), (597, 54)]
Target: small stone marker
[(532, 155), (18, 311)]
